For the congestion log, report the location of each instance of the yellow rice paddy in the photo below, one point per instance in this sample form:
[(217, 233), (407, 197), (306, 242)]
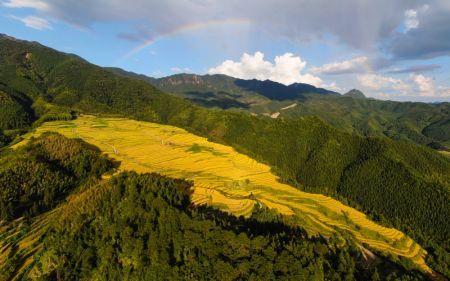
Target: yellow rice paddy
[(228, 180)]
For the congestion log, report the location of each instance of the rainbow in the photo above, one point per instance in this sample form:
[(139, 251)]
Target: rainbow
[(187, 28)]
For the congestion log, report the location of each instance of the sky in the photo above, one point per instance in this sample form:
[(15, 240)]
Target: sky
[(395, 50)]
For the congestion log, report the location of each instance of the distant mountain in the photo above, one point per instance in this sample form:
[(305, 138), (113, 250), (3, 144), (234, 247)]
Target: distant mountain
[(310, 89), (280, 92), (357, 94), (227, 92), (422, 123), (131, 74)]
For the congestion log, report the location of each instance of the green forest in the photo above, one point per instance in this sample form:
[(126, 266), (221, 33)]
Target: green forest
[(421, 123), (35, 178), (397, 183), (145, 227)]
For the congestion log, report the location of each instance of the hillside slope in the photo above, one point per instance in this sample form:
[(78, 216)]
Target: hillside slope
[(143, 227), (408, 184), (225, 92), (427, 124), (228, 180), (421, 123)]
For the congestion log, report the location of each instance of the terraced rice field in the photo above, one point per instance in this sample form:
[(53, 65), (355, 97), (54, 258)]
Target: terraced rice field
[(228, 180), (23, 240)]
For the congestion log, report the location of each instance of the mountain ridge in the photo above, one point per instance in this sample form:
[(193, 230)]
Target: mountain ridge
[(419, 122), (169, 83), (354, 93), (305, 152)]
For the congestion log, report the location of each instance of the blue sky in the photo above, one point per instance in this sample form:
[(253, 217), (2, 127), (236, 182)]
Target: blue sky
[(397, 51)]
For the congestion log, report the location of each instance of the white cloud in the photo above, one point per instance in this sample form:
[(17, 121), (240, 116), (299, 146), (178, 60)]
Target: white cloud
[(34, 4), (414, 86), (357, 64), (177, 69), (444, 92), (286, 69), (425, 87), (376, 83), (376, 21), (411, 21), (34, 22), (424, 84), (411, 17)]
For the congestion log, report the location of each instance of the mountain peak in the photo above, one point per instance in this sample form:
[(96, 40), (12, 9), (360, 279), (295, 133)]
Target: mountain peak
[(6, 36), (184, 79), (354, 93), (311, 88)]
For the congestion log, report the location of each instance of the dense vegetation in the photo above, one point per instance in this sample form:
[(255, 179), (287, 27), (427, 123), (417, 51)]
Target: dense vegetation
[(224, 91), (35, 178), (383, 178), (421, 123), (399, 183), (23, 98), (4, 140), (143, 228), (427, 124)]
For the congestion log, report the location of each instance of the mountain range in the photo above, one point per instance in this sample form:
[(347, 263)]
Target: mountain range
[(422, 123), (372, 155)]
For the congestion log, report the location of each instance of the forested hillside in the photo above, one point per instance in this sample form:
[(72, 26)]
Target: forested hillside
[(4, 140), (225, 92), (153, 234), (421, 123), (427, 124), (35, 178), (15, 111), (144, 227), (402, 184)]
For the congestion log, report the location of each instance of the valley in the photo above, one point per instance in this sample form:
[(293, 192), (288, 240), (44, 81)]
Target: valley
[(228, 180)]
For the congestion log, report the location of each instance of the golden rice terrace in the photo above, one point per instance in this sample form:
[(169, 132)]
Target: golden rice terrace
[(228, 180)]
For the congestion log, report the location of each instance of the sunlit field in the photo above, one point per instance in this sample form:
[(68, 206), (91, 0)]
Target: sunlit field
[(227, 180)]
